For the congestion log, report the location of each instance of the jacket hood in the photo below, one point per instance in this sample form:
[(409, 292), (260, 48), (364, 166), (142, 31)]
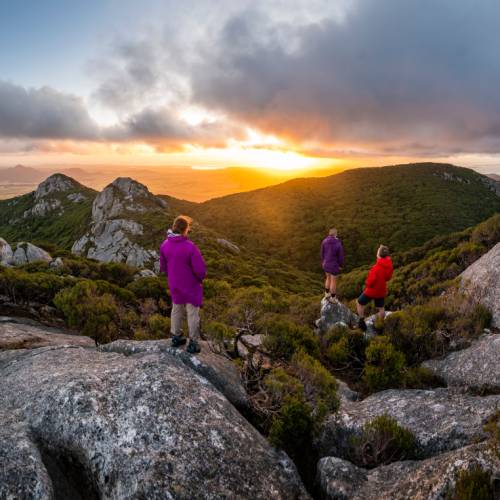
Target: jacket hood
[(384, 262), (175, 237)]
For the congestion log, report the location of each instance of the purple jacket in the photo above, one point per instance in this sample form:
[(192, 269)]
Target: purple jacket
[(332, 255), (182, 262)]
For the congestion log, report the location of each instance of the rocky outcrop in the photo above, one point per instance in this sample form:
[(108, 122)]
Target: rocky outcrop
[(121, 196), (431, 479), (334, 313), (219, 371), (114, 235), (26, 253), (47, 195), (111, 241), (440, 419), (476, 368), (6, 253), (482, 281), (56, 183), (140, 426), (228, 245), (22, 333)]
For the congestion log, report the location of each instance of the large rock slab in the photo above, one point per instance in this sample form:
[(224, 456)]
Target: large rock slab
[(482, 281), (431, 479), (476, 368), (441, 420), (139, 427), (22, 472), (19, 333), (218, 370), (334, 313)]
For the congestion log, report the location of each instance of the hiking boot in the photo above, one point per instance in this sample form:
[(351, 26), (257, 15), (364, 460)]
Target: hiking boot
[(362, 325), (177, 340), (193, 347)]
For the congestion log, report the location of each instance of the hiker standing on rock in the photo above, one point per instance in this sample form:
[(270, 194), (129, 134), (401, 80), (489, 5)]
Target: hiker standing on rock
[(376, 286), (182, 262), (332, 260)]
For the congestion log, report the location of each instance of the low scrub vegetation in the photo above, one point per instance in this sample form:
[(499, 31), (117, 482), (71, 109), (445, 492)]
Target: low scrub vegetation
[(383, 441)]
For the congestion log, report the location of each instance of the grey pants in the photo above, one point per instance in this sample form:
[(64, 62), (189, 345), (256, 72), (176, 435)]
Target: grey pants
[(193, 318)]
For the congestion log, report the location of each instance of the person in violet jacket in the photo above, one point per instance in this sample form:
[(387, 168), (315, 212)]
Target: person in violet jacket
[(332, 260), (376, 285), (182, 262)]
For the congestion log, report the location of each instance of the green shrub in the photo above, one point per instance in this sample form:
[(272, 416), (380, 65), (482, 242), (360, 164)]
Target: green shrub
[(425, 331), (473, 484), (280, 385), (488, 232), (344, 347), (159, 326), (221, 335), (320, 387), (384, 366), (249, 305), (292, 429), (153, 288), (92, 313), (284, 338), (419, 377), (492, 428), (22, 287), (383, 441), (117, 273)]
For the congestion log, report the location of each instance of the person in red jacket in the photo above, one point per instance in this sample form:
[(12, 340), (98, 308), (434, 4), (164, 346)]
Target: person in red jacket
[(376, 285)]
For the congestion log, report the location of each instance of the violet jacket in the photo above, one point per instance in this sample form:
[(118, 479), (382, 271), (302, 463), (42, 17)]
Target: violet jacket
[(332, 255), (182, 262)]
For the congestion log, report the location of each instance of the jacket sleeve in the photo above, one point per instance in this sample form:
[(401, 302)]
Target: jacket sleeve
[(322, 251), (389, 274), (371, 279), (198, 264), (163, 262), (340, 255)]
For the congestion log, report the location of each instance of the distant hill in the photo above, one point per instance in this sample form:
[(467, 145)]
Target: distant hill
[(495, 177), (402, 206), (21, 175)]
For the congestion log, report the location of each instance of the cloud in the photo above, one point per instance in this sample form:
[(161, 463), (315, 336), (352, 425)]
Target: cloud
[(43, 113), (391, 75)]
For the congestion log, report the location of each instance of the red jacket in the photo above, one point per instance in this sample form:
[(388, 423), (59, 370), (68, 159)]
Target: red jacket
[(379, 275)]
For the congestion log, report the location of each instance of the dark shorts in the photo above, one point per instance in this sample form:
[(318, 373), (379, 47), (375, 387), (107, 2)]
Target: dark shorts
[(364, 300), (333, 274)]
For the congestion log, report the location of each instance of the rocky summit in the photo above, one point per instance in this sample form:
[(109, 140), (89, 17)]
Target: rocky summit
[(51, 193), (86, 424), (114, 234)]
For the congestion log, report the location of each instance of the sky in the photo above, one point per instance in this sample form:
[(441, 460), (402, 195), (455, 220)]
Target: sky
[(276, 84)]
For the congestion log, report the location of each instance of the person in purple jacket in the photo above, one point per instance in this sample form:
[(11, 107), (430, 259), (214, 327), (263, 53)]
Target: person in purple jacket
[(332, 260), (182, 262)]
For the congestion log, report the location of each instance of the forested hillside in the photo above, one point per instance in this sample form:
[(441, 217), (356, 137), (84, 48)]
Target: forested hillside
[(402, 206)]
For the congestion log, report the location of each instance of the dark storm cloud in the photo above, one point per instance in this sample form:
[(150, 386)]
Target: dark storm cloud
[(43, 113), (395, 75), (159, 126)]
